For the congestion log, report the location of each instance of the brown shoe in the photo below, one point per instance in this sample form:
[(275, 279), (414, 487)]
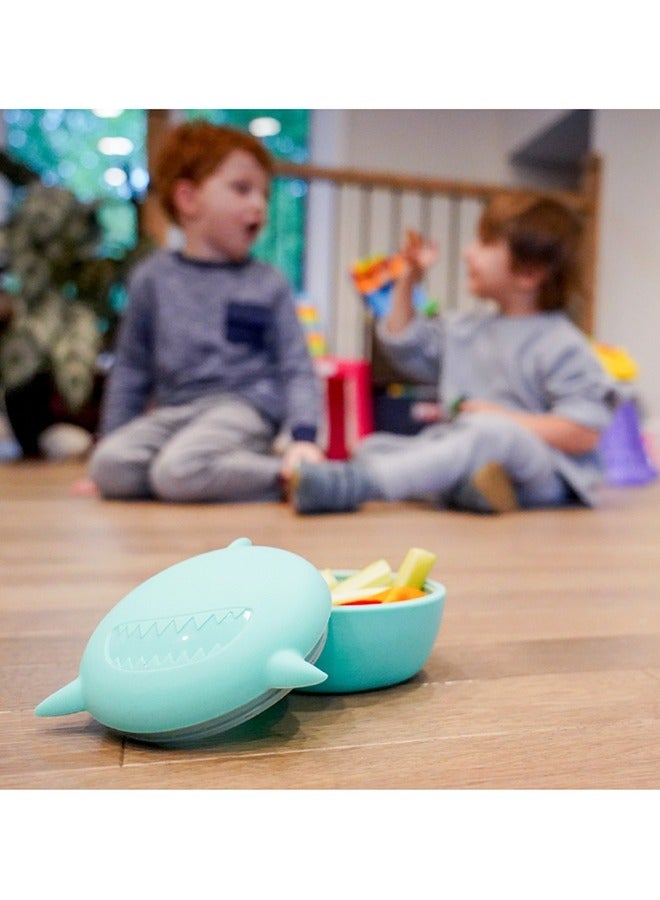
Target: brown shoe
[(489, 490), (492, 482)]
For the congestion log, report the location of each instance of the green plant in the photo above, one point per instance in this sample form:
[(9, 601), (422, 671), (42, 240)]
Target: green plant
[(62, 300)]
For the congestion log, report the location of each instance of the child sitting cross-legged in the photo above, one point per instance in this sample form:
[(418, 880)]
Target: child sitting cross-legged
[(524, 397), (211, 363)]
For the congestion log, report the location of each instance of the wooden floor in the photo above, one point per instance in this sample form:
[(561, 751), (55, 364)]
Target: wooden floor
[(545, 673)]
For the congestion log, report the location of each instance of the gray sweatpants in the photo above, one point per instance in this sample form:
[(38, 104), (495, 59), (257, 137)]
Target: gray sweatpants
[(214, 449), (432, 464)]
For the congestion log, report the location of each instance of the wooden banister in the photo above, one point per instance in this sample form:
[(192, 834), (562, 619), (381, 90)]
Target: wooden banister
[(576, 200), (592, 186)]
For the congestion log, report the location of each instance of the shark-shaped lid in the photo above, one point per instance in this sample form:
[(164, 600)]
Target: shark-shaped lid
[(202, 646)]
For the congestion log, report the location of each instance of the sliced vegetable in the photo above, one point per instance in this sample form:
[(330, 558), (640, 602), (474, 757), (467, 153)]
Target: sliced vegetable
[(415, 568), (368, 601), (368, 593), (330, 578), (400, 592), (376, 595), (377, 583), (377, 574)]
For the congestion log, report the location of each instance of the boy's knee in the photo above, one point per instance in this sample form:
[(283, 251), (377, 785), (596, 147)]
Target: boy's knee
[(496, 438), (179, 478), (173, 479), (115, 478)]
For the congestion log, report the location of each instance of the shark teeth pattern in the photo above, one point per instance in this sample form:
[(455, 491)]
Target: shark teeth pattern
[(171, 642)]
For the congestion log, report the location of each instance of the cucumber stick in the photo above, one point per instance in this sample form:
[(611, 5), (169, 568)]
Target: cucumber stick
[(376, 574), (415, 568)]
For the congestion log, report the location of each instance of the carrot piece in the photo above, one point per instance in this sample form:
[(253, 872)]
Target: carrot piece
[(400, 592)]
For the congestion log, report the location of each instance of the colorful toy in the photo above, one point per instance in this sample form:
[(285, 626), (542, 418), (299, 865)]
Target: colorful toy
[(625, 456), (374, 279), (622, 449), (309, 318), (202, 646), (375, 272), (348, 403), (616, 361)]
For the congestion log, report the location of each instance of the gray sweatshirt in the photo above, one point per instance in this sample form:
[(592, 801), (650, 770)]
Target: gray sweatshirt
[(538, 363), (194, 328)]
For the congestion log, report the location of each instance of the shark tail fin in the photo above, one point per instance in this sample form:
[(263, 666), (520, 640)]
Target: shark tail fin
[(69, 699)]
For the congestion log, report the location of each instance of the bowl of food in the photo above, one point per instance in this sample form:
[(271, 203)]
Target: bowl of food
[(382, 633)]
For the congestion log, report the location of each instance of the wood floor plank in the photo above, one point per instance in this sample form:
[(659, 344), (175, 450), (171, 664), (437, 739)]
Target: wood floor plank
[(417, 713), (605, 757)]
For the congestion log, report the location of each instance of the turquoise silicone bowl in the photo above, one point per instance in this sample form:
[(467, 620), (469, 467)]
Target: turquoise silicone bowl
[(378, 645)]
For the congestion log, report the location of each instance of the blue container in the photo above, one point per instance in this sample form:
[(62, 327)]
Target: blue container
[(381, 644), (213, 641)]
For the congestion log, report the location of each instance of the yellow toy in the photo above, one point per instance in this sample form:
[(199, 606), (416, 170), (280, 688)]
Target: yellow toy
[(616, 361), (309, 318)]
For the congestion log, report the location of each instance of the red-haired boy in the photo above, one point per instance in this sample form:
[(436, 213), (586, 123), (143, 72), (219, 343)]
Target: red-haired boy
[(211, 361)]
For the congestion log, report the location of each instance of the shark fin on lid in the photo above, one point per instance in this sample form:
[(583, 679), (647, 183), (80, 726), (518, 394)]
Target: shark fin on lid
[(239, 542), (288, 669)]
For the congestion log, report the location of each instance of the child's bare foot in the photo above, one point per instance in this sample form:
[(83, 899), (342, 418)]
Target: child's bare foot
[(85, 487)]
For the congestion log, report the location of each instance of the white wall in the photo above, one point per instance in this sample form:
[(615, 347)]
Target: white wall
[(628, 290), (446, 143), (462, 144)]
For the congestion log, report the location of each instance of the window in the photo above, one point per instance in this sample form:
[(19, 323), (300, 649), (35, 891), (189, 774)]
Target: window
[(99, 155)]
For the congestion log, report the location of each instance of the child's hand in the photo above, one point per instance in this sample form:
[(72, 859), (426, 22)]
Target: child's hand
[(476, 406), (296, 452), (419, 254)]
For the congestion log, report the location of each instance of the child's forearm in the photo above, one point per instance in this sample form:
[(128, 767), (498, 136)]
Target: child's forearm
[(419, 255), (402, 309), (561, 433), (557, 431)]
